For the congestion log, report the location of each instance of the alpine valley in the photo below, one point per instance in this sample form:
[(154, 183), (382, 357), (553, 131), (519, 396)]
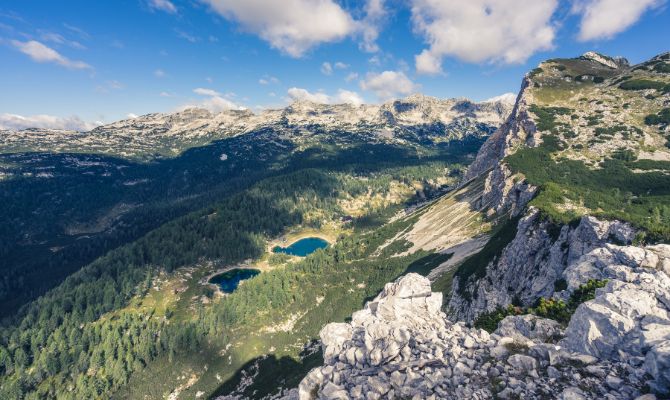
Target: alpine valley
[(511, 249)]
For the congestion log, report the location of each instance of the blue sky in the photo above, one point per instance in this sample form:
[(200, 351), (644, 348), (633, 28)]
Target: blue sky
[(75, 63)]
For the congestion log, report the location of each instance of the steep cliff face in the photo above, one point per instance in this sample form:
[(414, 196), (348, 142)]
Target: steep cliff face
[(533, 263), (579, 126)]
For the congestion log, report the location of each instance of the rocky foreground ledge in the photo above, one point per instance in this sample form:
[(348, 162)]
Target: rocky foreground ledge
[(402, 346)]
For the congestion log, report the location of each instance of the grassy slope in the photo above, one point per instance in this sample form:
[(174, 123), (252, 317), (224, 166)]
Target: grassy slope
[(593, 133)]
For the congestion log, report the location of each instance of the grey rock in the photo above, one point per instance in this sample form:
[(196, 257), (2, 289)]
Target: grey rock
[(522, 362)]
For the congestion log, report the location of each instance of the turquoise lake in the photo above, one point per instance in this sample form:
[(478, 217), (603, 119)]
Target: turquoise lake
[(229, 281), (302, 247)]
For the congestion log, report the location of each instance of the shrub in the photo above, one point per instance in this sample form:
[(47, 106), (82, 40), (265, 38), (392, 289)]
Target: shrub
[(551, 308), (644, 84), (661, 118), (662, 67)]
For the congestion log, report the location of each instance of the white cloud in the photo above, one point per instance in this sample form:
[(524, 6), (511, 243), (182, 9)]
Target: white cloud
[(109, 85), (60, 39), (213, 101), (370, 26), (342, 96), (428, 63), (82, 33), (44, 54), (163, 5), (266, 80), (18, 122), (206, 92), (132, 116), (349, 97), (603, 19), (389, 84), (352, 76), (186, 36), (326, 68), (507, 31), (299, 94), (159, 73), (166, 94), (292, 26), (341, 65)]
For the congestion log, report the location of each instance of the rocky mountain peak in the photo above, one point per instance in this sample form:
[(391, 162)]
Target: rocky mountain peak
[(612, 62)]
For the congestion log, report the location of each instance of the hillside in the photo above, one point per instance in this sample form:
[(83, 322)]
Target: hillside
[(65, 207), (568, 295), (113, 269)]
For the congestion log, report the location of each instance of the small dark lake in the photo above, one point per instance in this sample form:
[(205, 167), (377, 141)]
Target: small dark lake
[(229, 281), (302, 247)]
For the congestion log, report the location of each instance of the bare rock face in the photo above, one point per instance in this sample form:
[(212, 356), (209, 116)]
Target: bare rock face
[(612, 62), (402, 346), (629, 319), (530, 266), (503, 193)]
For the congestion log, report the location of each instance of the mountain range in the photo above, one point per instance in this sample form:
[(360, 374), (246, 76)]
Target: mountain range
[(515, 248)]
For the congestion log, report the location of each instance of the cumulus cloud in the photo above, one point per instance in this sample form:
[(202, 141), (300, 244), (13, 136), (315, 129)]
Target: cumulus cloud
[(506, 31), (349, 97), (299, 94), (342, 96), (43, 54), (42, 121), (213, 101), (132, 116), (603, 19), (341, 65), (159, 73), (292, 26), (326, 68), (163, 5), (389, 84)]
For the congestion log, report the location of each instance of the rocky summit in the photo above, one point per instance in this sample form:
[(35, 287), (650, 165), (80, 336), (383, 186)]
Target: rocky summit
[(402, 346)]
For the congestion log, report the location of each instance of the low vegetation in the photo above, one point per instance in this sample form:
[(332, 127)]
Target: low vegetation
[(551, 308), (612, 190)]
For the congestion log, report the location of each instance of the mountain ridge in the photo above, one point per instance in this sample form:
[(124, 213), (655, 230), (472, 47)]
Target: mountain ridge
[(560, 242)]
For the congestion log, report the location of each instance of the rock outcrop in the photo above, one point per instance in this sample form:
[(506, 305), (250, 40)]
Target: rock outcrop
[(529, 267), (402, 346)]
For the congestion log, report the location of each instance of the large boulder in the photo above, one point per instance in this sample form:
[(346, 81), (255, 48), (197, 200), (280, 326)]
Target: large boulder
[(529, 327)]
